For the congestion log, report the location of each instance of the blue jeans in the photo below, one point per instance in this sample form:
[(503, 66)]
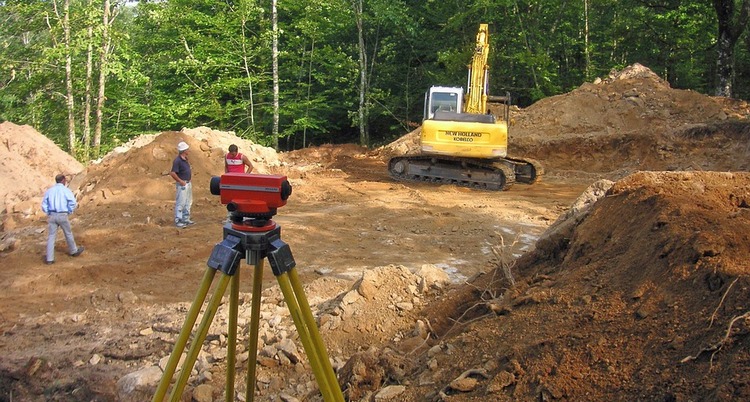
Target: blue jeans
[(55, 220), (183, 201)]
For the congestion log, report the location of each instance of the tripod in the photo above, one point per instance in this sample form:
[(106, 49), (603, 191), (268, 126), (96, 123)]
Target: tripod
[(255, 239)]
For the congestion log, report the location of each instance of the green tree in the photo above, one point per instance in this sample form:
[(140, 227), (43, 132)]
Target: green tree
[(732, 17)]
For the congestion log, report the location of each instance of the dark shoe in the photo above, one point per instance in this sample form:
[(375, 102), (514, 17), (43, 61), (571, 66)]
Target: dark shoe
[(78, 252), (49, 262), (188, 222)]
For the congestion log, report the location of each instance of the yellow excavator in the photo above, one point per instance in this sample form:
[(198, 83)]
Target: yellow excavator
[(462, 143)]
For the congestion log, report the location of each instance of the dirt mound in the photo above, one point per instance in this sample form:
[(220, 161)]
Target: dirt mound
[(648, 297), (406, 145), (632, 120), (633, 100), (29, 163), (140, 169)]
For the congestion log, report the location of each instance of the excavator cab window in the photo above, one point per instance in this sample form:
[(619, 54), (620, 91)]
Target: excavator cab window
[(443, 102)]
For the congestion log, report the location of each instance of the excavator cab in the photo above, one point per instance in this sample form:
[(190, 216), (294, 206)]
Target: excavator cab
[(448, 130), (442, 99)]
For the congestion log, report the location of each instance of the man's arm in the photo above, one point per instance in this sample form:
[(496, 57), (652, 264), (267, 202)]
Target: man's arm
[(72, 204), (176, 178), (246, 161), (45, 203)]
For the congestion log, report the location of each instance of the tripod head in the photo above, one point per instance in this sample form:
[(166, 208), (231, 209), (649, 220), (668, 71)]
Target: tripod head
[(251, 199)]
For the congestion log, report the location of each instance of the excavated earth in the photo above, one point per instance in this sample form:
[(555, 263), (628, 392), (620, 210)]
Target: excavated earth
[(621, 275)]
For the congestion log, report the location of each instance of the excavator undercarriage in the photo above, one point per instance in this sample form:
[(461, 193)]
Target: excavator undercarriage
[(497, 174)]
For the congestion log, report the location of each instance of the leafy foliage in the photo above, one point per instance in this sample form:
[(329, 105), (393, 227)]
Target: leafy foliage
[(186, 63)]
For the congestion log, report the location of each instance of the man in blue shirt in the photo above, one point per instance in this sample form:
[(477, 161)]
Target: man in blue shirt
[(181, 173), (58, 203)]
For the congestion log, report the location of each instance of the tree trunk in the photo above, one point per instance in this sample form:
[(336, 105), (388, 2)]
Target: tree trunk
[(275, 77), (251, 111), (526, 42), (364, 137), (731, 26), (309, 87), (89, 74), (104, 52), (69, 80), (587, 69)]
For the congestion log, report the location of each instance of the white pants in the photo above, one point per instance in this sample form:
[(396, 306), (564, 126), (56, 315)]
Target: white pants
[(183, 201)]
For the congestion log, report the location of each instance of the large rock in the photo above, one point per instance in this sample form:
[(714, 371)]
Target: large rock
[(139, 386)]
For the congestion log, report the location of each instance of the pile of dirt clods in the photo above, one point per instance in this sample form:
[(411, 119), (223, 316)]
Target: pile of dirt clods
[(644, 295)]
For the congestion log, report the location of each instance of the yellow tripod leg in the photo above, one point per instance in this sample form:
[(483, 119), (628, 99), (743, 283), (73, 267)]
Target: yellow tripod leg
[(182, 339), (252, 346), (201, 332), (234, 296), (304, 335), (315, 335)]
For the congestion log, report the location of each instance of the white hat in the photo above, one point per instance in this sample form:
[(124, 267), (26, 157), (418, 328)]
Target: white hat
[(182, 146)]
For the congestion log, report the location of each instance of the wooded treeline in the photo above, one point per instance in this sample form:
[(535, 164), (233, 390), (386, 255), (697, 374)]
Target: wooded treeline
[(93, 73)]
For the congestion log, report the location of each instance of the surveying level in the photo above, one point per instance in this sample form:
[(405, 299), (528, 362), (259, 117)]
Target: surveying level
[(252, 201)]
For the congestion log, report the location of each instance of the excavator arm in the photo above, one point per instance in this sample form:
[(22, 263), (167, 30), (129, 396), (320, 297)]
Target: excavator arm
[(477, 85)]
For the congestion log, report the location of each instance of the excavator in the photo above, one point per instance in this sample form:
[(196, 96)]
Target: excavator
[(461, 142)]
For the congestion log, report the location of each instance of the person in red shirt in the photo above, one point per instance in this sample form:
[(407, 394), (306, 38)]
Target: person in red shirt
[(235, 162)]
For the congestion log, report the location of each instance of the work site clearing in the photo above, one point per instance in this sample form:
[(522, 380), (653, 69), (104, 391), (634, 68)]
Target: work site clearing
[(622, 275)]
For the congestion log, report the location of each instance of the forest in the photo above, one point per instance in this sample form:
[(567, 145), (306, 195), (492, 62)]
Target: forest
[(91, 74)]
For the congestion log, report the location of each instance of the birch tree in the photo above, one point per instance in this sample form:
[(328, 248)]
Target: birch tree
[(64, 23), (364, 135), (275, 59)]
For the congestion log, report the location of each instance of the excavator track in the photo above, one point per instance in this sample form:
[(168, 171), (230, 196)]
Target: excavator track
[(474, 173), (528, 171), (495, 175)]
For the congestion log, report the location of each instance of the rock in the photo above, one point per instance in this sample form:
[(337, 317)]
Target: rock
[(287, 398), (465, 384), (26, 208), (203, 393), (127, 297), (389, 392), (138, 386), (368, 286), (501, 381), (431, 276), (289, 349), (420, 329), (351, 297), (8, 244)]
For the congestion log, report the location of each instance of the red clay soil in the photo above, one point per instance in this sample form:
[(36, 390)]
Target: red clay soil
[(646, 298)]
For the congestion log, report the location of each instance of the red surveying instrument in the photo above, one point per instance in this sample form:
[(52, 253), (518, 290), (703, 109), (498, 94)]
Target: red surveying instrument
[(252, 200)]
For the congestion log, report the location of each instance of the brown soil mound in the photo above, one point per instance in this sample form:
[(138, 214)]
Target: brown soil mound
[(140, 169), (647, 298), (633, 121), (29, 163)]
